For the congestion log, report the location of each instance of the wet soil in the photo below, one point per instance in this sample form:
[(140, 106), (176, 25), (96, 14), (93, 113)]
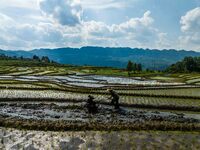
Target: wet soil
[(77, 111), (121, 140), (76, 116)]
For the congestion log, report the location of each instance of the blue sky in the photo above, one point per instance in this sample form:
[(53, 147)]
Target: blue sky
[(161, 24)]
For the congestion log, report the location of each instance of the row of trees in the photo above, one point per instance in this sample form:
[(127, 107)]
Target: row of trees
[(4, 57), (43, 59), (187, 65), (131, 66)]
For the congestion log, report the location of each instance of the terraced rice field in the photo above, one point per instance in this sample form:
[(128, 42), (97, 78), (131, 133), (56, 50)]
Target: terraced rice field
[(192, 92), (10, 70), (17, 139), (41, 95), (73, 87), (133, 92), (131, 100), (191, 79), (158, 101), (50, 98)]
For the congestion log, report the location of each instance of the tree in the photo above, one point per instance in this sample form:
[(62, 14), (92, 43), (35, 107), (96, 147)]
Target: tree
[(3, 56), (134, 67), (45, 59), (129, 67), (188, 64), (36, 58), (139, 67)]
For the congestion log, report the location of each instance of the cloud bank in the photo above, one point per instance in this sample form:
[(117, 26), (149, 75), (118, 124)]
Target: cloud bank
[(60, 23), (190, 26), (66, 12)]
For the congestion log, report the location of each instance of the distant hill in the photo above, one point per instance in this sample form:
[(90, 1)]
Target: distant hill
[(110, 57), (34, 61)]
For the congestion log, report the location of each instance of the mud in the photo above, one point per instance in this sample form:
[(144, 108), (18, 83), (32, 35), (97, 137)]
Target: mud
[(76, 111), (121, 140)]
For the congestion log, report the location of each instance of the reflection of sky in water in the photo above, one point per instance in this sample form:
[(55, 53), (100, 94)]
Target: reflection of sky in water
[(88, 80), (87, 84), (73, 79), (118, 80)]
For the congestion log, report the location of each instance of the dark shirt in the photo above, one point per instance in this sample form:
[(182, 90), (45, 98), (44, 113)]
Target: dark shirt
[(114, 95)]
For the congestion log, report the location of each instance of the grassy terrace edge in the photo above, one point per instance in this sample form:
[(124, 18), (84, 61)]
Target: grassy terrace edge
[(46, 125)]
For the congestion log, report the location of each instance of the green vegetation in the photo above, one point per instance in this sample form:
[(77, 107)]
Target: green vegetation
[(26, 62), (133, 67), (187, 65), (46, 125)]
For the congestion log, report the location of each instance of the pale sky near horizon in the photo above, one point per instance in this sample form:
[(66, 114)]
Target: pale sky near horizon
[(160, 24)]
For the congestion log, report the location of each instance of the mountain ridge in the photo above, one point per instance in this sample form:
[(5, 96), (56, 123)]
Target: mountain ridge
[(108, 56)]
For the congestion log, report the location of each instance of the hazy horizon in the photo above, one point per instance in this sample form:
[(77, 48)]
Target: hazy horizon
[(54, 48)]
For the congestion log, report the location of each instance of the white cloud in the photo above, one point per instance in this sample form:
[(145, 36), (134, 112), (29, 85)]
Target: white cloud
[(66, 12), (28, 4), (102, 4), (190, 27), (5, 21), (60, 25), (28, 24), (28, 36), (164, 42), (138, 31), (191, 21)]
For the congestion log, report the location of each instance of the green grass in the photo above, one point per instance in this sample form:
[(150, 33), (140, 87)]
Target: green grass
[(20, 63), (167, 79), (193, 92), (160, 101), (48, 125)]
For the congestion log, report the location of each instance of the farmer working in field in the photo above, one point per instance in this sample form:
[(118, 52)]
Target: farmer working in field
[(114, 98), (91, 105)]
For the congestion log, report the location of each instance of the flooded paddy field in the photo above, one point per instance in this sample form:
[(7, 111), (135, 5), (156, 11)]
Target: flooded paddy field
[(57, 103), (74, 116), (92, 81), (76, 111), (126, 140), (63, 98)]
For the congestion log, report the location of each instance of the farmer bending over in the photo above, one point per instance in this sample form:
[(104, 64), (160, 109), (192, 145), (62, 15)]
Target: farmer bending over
[(91, 105), (114, 98)]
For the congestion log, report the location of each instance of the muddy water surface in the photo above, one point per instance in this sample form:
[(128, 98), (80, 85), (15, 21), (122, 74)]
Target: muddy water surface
[(76, 111)]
